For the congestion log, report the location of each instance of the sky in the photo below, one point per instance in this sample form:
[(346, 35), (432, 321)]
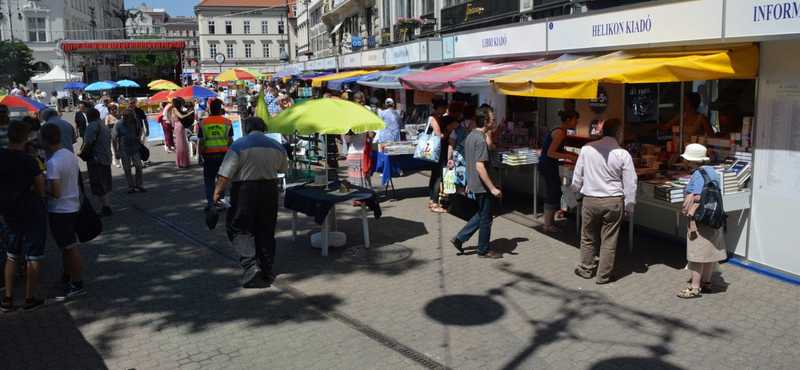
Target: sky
[(174, 8)]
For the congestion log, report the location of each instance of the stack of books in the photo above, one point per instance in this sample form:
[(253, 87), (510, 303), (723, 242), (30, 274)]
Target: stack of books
[(672, 193), (742, 169), (730, 185), (517, 157)]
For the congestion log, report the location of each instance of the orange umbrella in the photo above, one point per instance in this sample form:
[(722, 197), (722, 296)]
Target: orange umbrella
[(159, 97)]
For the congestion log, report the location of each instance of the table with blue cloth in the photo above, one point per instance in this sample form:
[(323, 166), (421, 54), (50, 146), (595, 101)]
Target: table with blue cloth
[(387, 165), (315, 202)]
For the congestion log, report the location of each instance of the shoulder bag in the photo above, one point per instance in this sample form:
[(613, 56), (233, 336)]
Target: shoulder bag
[(429, 145)]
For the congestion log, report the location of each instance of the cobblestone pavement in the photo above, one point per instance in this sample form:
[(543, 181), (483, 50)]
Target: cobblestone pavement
[(163, 293)]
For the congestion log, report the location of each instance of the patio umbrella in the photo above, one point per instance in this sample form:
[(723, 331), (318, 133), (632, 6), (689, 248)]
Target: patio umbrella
[(164, 85), (18, 101), (287, 72), (159, 97), (236, 74), (261, 109), (75, 85), (151, 83), (126, 84), (325, 116), (193, 92), (101, 85)]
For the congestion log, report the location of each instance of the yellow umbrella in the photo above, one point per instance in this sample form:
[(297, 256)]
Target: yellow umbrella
[(166, 85), (261, 109), (156, 82), (317, 82), (325, 116), (237, 74)]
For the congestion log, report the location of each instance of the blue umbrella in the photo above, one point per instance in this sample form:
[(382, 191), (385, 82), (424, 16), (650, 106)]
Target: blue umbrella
[(75, 85), (127, 83), (101, 85)]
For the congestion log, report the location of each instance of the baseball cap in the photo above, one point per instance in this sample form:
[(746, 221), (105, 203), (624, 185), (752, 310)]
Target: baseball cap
[(389, 101)]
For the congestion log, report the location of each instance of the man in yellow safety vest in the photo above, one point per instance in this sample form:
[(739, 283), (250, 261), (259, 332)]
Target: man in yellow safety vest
[(214, 138)]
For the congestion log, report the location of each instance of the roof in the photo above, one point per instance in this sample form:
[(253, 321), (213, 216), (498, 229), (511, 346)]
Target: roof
[(243, 3)]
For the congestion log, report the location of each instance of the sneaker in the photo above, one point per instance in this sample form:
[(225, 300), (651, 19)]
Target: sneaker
[(71, 292), (106, 211), (131, 190), (33, 306), (62, 285), (141, 188), (491, 255), (458, 244), (7, 305)]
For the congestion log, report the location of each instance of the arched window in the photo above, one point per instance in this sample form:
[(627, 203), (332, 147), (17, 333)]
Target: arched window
[(41, 67)]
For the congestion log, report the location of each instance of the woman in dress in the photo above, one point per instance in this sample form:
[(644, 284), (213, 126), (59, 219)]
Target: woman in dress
[(552, 152), (165, 121), (181, 144), (112, 118), (705, 245), (434, 120)]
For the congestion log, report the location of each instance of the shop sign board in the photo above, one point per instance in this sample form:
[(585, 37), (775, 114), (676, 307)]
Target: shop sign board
[(351, 60), (599, 105), (651, 25), (447, 48), (407, 53), (526, 39), (753, 18), (319, 64), (330, 63), (641, 103), (373, 58)]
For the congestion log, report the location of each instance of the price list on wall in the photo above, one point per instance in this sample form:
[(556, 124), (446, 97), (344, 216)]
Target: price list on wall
[(779, 139)]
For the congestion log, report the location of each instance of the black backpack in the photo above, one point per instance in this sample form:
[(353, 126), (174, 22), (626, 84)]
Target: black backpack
[(710, 212)]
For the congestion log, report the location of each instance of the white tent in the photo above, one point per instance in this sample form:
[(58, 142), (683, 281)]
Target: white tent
[(55, 75)]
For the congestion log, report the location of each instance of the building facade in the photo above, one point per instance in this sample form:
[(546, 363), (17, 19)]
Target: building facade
[(185, 28), (246, 33), (41, 24), (144, 21)]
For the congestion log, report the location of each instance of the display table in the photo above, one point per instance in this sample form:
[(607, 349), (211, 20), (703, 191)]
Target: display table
[(387, 165), (503, 168), (316, 202)]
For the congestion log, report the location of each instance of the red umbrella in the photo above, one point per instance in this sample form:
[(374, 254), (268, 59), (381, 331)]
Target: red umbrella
[(193, 92), (159, 97)]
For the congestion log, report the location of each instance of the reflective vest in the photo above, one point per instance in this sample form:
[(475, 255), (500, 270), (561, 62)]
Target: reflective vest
[(215, 134)]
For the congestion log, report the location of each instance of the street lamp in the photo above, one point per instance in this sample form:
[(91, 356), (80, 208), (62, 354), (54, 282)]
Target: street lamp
[(10, 15), (283, 56), (124, 15), (308, 52)]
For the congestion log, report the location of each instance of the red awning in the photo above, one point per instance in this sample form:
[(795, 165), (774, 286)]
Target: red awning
[(128, 45), (441, 79)]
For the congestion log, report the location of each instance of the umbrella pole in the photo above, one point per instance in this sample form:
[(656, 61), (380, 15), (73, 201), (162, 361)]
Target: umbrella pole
[(325, 150)]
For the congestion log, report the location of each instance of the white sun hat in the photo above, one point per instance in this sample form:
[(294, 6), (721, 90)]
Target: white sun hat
[(695, 152)]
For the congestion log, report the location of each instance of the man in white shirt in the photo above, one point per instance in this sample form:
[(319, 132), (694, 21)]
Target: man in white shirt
[(103, 108), (63, 204), (16, 91), (605, 176)]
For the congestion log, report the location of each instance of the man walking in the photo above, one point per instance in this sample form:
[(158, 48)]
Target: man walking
[(480, 181), (98, 139), (80, 118), (252, 164), (50, 117), (103, 108), (214, 138), (24, 215), (127, 141), (605, 175), (63, 204)]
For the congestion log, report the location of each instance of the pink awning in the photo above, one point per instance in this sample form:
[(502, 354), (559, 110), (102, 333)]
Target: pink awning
[(441, 79)]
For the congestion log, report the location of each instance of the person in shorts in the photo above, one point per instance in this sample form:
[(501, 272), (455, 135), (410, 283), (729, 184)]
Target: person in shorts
[(24, 215), (98, 138), (63, 204)]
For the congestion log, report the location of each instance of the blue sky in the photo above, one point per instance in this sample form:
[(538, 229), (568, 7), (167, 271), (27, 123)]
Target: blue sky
[(173, 7)]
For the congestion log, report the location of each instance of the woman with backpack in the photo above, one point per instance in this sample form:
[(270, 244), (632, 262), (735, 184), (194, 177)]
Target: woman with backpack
[(704, 244)]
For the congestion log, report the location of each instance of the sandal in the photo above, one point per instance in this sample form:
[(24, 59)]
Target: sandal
[(690, 293), (553, 229), (438, 210)]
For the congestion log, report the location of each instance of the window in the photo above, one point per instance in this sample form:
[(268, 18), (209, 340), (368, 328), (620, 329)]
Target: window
[(427, 6), (246, 26), (230, 50), (265, 50), (294, 10), (248, 50), (37, 30), (386, 8), (211, 27), (213, 50), (228, 27), (264, 27)]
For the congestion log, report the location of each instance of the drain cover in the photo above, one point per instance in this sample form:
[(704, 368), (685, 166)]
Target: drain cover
[(377, 254)]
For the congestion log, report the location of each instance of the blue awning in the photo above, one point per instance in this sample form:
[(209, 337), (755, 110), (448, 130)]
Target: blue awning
[(390, 80), (338, 84)]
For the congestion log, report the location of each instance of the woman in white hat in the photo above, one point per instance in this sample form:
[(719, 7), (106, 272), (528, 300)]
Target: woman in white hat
[(704, 244)]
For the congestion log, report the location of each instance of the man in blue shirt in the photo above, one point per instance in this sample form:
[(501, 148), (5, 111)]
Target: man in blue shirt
[(271, 98)]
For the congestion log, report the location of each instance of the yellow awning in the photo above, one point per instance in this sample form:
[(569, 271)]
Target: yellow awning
[(317, 81), (579, 79)]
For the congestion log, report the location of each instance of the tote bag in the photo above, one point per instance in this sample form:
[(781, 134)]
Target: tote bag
[(428, 145), (87, 224)]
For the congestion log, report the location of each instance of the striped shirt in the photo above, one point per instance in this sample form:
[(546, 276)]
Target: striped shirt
[(254, 157)]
